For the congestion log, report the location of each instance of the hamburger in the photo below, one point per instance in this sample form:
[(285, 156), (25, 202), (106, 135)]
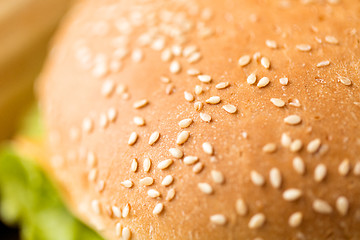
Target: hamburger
[(206, 119)]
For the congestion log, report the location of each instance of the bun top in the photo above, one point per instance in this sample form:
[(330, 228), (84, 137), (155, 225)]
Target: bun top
[(208, 119)]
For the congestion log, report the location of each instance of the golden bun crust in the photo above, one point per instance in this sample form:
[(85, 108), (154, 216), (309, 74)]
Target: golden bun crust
[(276, 157)]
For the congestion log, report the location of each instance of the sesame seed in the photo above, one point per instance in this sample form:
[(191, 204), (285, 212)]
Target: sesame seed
[(271, 44), (147, 164), (112, 114), (134, 165), (188, 96), (284, 81), (257, 221), (169, 89), (265, 62), (198, 167), (107, 88), (170, 195), (257, 179), (251, 79), (189, 160), (139, 121), (100, 70), (126, 211), (257, 56), (92, 175), (175, 67), (165, 79), (321, 206), (331, 40), (344, 80), (205, 117), (344, 167), (303, 47), (313, 146), (158, 44), (103, 121), (269, 148), (295, 219), (100, 186), (185, 122), (158, 208), (91, 159), (176, 50), (342, 205), (146, 181), (192, 72), (153, 193), (167, 180), (188, 50), (95, 205), (292, 194), (118, 229), (176, 153), (357, 169), (292, 120), (244, 60), (120, 53), (204, 78), (241, 207), (133, 138), (213, 100), (182, 137), (296, 145), (285, 140), (275, 177), (320, 172), (198, 90), (116, 211), (222, 85), (294, 102), (125, 96), (218, 219), (127, 183), (194, 57), (299, 165), (154, 137), (230, 108), (323, 64), (126, 233), (208, 148), (263, 82), (74, 134), (206, 14), (217, 176), (198, 106), (165, 164), (205, 188), (140, 104), (166, 55), (87, 125), (137, 55), (277, 102)]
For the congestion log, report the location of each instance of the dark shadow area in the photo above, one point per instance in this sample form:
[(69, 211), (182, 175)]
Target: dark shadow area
[(7, 233)]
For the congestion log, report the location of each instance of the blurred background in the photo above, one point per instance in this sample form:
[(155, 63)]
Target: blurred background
[(26, 29)]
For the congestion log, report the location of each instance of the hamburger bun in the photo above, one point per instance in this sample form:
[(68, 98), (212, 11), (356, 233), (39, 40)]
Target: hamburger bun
[(208, 119)]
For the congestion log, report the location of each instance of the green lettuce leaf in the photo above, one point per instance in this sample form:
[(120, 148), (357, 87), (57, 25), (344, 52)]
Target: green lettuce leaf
[(29, 199)]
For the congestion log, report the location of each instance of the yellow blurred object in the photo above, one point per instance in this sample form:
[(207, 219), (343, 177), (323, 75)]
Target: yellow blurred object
[(25, 29)]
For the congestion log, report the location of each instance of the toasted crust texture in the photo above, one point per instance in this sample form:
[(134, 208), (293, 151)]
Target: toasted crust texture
[(208, 119)]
